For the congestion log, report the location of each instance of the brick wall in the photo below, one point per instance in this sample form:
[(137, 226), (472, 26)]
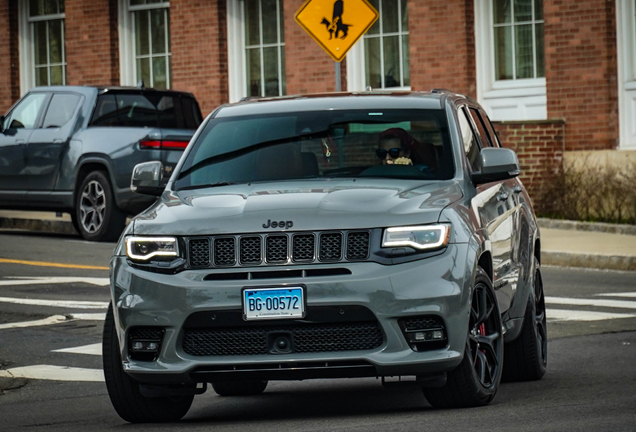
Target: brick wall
[(92, 48), (581, 74), (198, 33), (309, 68), (539, 146), (9, 66), (442, 45)]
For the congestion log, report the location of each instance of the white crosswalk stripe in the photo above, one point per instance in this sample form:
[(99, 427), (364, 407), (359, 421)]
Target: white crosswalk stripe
[(621, 308)]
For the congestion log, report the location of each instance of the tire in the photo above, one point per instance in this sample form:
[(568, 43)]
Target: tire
[(97, 216), (476, 380), (527, 356), (124, 392), (241, 388)]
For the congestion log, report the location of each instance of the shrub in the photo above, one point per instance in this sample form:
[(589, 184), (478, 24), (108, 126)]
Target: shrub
[(587, 191)]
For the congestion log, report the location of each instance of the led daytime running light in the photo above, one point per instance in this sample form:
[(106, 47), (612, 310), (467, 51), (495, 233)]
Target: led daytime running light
[(130, 243), (443, 230)]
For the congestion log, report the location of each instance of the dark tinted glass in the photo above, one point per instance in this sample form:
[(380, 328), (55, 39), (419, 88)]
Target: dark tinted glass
[(60, 110), (471, 145), (147, 110), (322, 144), (481, 129)]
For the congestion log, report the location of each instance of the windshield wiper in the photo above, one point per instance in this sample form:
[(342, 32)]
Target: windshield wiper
[(203, 186), (241, 152)]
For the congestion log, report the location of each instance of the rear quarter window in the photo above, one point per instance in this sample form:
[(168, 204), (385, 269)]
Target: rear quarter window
[(146, 110)]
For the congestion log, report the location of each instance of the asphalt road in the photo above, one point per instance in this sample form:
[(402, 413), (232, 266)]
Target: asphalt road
[(590, 383)]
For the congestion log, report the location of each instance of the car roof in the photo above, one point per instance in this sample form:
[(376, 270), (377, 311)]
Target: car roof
[(370, 100), (104, 89)]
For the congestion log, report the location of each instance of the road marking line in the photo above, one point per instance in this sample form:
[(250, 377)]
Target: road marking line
[(50, 264), (55, 319), (618, 294), (574, 315), (54, 280), (55, 373), (89, 316), (622, 304), (93, 349), (57, 303)]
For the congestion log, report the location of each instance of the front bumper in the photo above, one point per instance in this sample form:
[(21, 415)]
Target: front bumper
[(437, 286)]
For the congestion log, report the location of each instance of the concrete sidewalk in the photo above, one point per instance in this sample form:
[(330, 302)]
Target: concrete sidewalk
[(563, 243)]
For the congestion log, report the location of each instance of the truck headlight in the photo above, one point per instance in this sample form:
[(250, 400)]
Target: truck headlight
[(145, 248), (418, 237)]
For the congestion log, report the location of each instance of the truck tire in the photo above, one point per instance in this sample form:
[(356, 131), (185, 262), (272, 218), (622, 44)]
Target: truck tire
[(98, 218)]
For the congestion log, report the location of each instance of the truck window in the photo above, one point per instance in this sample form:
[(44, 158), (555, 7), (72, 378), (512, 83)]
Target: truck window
[(61, 110)]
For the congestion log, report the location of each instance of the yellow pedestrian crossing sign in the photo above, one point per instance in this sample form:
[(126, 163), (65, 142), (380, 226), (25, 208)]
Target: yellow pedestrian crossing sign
[(336, 24)]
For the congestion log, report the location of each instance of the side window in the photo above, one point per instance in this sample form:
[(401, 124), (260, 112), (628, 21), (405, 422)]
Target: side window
[(491, 130), (481, 129), (471, 145), (61, 110), (178, 113), (132, 110), (26, 113)]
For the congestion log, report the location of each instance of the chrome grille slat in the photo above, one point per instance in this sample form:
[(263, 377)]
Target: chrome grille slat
[(278, 249)]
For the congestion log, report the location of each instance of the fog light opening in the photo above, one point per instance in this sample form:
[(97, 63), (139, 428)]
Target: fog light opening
[(144, 343)]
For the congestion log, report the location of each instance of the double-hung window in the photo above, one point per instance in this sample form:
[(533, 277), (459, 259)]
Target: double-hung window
[(626, 40), (42, 48), (381, 59), (511, 59), (256, 48), (145, 43)]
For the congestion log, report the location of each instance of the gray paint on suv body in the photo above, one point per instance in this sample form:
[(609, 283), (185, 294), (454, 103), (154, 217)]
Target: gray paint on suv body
[(440, 284)]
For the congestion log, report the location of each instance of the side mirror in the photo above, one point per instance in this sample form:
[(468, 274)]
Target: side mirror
[(496, 164), (147, 178)]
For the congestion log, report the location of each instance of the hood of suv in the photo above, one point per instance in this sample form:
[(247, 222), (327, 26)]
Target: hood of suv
[(299, 206)]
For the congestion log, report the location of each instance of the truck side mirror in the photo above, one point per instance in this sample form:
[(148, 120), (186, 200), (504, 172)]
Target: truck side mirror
[(147, 178)]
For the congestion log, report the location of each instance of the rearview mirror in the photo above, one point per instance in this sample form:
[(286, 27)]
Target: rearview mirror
[(496, 164), (147, 178)]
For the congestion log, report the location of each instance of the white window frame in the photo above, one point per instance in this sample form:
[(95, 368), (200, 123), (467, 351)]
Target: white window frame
[(127, 59), (356, 59), (519, 99), (626, 56), (26, 41), (236, 46)]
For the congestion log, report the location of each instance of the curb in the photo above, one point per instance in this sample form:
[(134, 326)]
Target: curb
[(596, 261), (587, 226), (38, 225)]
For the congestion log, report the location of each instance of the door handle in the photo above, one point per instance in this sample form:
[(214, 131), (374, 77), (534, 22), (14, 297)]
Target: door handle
[(20, 141), (502, 196), (58, 141), (517, 189)]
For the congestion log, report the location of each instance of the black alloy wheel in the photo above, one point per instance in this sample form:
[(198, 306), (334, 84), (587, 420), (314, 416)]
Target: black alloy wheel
[(476, 380)]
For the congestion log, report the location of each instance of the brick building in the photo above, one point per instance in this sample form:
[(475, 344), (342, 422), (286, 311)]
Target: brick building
[(558, 76)]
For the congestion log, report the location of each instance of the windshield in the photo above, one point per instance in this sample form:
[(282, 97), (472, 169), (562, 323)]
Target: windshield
[(403, 144)]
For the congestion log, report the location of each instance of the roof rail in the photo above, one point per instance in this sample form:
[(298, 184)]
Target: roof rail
[(441, 90)]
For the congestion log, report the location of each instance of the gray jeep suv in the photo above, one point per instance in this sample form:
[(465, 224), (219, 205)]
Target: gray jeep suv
[(72, 149), (328, 236)]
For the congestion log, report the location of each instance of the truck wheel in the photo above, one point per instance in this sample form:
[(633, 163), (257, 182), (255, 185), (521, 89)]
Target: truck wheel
[(240, 388), (98, 218), (476, 380), (124, 392), (527, 356)]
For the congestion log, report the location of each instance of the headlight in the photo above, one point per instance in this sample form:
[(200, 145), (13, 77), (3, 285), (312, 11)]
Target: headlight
[(145, 248), (418, 237)]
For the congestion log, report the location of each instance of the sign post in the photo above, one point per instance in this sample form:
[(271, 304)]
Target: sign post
[(336, 25)]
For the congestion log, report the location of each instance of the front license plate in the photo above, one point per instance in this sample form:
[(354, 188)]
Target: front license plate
[(270, 303)]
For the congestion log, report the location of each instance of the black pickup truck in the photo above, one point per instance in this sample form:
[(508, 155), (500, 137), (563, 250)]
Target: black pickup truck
[(73, 149)]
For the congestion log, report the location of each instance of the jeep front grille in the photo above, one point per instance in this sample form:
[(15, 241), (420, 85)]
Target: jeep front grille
[(278, 249)]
